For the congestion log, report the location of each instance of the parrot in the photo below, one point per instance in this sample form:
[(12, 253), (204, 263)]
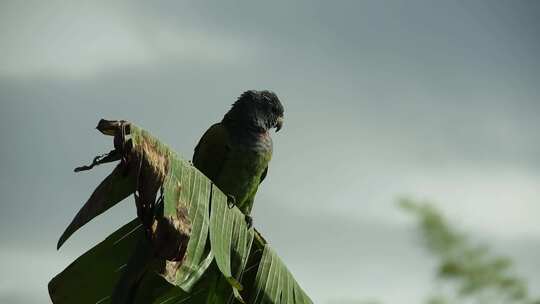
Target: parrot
[(234, 153)]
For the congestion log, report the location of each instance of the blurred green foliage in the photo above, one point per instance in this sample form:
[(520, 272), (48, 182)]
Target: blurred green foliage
[(469, 272)]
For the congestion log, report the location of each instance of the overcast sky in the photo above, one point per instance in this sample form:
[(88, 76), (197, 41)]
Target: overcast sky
[(382, 99)]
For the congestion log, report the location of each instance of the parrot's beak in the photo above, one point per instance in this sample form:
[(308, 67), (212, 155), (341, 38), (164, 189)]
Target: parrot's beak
[(279, 123)]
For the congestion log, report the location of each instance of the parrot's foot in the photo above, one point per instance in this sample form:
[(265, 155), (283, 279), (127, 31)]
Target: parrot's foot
[(249, 220), (231, 201)]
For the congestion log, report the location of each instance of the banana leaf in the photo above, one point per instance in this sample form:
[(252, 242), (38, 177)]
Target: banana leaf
[(92, 277), (195, 247), (114, 188)]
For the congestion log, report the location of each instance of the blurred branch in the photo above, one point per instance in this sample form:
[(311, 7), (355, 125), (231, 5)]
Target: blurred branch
[(475, 273)]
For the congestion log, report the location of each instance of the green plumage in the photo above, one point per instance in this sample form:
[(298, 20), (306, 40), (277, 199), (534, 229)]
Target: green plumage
[(237, 169), (235, 153)]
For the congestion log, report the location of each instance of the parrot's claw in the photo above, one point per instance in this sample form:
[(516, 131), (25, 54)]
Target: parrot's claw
[(231, 201), (249, 221)]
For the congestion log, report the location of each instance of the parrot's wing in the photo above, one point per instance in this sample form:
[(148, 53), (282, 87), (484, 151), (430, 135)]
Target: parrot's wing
[(263, 176), (212, 150)]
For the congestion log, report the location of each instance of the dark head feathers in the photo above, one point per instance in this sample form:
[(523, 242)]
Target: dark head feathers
[(256, 110)]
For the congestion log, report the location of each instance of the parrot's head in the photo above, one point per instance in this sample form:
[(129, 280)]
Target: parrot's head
[(259, 110)]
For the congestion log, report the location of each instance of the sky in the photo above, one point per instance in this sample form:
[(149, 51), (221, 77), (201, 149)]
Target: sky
[(383, 99)]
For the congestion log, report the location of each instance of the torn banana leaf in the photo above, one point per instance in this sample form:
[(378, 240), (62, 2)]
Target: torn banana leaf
[(274, 283), (230, 240), (200, 249), (186, 200), (113, 189), (92, 277)]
